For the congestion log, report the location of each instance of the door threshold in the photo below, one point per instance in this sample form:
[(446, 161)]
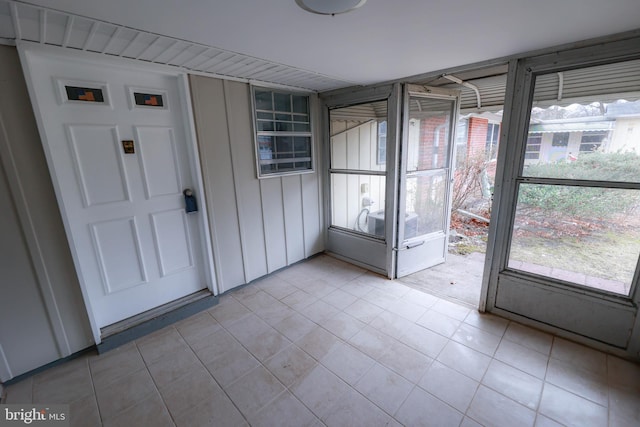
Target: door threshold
[(142, 324)]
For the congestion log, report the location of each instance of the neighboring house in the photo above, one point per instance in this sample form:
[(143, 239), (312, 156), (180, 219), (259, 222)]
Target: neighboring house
[(478, 135), (477, 140), (552, 140), (565, 139)]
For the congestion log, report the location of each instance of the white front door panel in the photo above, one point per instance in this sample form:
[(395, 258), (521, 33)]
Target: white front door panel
[(134, 246)]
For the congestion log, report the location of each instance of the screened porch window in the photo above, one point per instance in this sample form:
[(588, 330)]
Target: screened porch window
[(358, 135), (576, 217)]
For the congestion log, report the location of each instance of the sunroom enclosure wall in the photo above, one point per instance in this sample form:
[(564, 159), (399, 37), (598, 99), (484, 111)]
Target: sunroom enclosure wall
[(598, 315), (359, 165), (355, 146)]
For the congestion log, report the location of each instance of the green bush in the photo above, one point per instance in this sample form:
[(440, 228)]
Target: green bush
[(617, 166), (588, 202)]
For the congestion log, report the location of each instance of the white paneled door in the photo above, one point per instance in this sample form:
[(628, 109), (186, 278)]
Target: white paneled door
[(116, 145)]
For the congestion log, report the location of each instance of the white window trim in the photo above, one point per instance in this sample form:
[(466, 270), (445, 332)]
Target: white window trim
[(538, 152), (311, 133)]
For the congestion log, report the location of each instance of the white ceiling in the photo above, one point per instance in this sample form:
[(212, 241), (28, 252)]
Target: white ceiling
[(383, 40)]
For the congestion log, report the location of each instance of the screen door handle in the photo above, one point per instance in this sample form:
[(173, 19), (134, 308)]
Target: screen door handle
[(409, 246)]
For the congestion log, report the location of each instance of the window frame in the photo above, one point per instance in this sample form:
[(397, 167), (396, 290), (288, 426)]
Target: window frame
[(529, 144), (596, 145), (278, 133), (560, 139), (381, 149), (551, 305), (492, 140), (515, 167), (333, 171)]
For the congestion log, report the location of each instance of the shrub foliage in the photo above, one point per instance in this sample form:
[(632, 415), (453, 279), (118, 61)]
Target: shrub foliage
[(590, 202)]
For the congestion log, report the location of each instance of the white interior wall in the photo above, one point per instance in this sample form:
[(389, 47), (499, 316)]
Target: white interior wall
[(258, 226), (33, 344), (42, 316)]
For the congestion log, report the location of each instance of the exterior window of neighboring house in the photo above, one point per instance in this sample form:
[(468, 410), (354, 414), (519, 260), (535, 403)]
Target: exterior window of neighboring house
[(560, 139), (534, 141), (591, 141), (382, 142), (284, 141), (493, 135)]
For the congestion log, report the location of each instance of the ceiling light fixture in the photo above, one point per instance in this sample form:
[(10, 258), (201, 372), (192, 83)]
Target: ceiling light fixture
[(330, 7)]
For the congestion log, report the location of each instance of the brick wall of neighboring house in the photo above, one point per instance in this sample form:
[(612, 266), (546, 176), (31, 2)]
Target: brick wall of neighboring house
[(477, 129), (430, 128), (491, 170), (477, 136), (430, 204), (477, 143)]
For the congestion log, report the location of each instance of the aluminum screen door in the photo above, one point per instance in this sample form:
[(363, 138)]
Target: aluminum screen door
[(426, 173)]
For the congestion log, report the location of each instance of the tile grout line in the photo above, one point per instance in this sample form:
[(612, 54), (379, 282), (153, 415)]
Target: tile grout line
[(95, 392), (608, 390), (261, 364), (211, 375), (155, 386)]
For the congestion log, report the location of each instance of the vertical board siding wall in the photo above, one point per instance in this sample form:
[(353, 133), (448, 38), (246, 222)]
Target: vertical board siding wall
[(257, 226), (42, 313), (355, 146)]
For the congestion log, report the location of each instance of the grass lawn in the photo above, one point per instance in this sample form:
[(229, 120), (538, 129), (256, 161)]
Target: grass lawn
[(602, 254)]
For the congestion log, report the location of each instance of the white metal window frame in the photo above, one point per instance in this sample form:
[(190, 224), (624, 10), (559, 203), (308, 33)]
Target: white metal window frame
[(370, 252), (520, 88), (257, 132), (357, 172)]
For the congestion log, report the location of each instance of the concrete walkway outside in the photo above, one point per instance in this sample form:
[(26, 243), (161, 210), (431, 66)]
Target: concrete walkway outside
[(459, 279)]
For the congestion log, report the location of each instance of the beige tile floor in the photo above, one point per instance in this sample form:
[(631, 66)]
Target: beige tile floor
[(326, 343)]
